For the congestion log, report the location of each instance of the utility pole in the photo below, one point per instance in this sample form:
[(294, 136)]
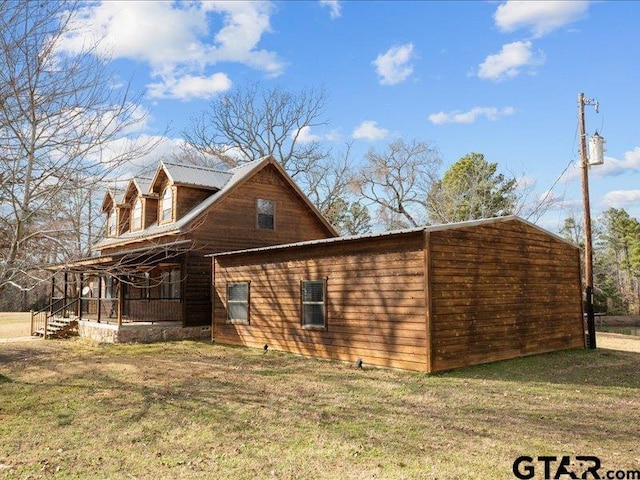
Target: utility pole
[(588, 251)]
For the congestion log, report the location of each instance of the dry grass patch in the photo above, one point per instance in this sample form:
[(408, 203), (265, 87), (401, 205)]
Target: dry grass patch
[(15, 324), (193, 410)]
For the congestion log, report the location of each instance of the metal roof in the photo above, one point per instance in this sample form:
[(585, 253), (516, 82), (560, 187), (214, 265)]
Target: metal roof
[(202, 177), (235, 175), (429, 228)]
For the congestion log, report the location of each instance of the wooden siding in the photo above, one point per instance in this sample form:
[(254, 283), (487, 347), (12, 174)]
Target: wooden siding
[(150, 211), (375, 300), (197, 288), (187, 198), (501, 291), (231, 224)]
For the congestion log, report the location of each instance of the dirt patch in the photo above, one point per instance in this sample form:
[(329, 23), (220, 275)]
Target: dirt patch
[(616, 341)]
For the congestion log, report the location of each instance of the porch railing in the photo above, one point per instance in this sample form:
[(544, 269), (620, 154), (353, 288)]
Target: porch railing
[(40, 319), (131, 310)]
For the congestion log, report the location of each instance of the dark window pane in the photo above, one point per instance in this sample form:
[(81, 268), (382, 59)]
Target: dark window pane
[(238, 292), (313, 291), (314, 315), (265, 222)]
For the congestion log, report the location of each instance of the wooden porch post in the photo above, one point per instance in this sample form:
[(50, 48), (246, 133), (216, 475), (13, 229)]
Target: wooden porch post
[(80, 297), (53, 291), (120, 302), (99, 297), (66, 288)]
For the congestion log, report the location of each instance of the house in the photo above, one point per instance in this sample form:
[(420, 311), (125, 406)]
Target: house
[(242, 257), (150, 278), (427, 299)]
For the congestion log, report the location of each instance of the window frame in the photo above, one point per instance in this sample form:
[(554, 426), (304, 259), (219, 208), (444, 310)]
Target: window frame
[(303, 303), (163, 200), (260, 213), (136, 223), (246, 302), (112, 222)]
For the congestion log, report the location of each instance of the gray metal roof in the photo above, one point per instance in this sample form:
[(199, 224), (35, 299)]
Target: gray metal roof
[(235, 176), (143, 184), (202, 177), (429, 228)]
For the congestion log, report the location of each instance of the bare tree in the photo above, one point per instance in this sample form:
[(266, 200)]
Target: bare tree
[(248, 123), (397, 181), (58, 116), (329, 186)]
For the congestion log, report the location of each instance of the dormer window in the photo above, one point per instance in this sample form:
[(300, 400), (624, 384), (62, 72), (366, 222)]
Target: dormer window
[(136, 218), (166, 204), (112, 222)]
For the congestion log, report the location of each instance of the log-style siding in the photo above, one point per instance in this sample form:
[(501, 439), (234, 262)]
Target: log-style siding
[(431, 299), (500, 291), (375, 300), (230, 224)]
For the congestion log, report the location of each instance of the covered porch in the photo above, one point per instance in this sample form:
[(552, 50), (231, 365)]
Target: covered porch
[(115, 299)]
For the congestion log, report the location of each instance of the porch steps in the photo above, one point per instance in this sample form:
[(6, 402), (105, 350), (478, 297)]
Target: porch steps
[(59, 327)]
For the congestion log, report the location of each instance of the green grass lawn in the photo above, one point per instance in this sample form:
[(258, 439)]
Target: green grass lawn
[(189, 410)]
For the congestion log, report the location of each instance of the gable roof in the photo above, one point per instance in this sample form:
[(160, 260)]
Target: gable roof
[(428, 228), (235, 178), (114, 196)]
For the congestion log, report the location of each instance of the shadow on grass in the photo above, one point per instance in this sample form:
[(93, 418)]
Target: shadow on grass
[(5, 379), (603, 368)]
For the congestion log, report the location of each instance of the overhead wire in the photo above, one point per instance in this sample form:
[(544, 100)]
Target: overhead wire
[(550, 190)]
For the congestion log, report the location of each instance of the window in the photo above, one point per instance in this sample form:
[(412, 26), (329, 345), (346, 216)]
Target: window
[(166, 205), (137, 215), (313, 303), (170, 285), (112, 220), (266, 214), (238, 302)]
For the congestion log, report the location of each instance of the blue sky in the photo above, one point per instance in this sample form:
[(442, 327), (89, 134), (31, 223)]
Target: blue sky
[(499, 78)]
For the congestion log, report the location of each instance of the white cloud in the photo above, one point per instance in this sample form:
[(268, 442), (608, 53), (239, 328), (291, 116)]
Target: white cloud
[(394, 65), (335, 8), (622, 198), (510, 61), (369, 130), (456, 116), (613, 167), (189, 86), (174, 38), (540, 17), (304, 135)]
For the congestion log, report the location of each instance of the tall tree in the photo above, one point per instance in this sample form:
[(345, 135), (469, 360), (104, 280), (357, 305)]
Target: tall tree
[(397, 180), (470, 189), (248, 123), (58, 115), (329, 187), (620, 240)]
